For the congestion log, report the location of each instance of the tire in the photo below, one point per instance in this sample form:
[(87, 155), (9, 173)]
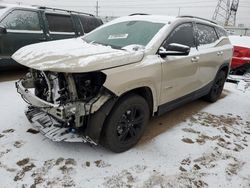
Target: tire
[(126, 123), (216, 88)]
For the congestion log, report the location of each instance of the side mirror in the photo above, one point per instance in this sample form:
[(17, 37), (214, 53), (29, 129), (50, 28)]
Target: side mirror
[(3, 30), (174, 49)]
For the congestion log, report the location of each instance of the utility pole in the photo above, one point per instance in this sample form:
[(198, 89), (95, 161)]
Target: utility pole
[(179, 11), (97, 8)]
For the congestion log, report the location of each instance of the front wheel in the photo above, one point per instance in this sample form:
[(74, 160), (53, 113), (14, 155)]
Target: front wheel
[(217, 87), (126, 123)]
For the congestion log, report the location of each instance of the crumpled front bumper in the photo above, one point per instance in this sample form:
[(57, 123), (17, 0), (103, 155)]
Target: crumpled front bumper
[(53, 120), (52, 128), (28, 96), (49, 118)]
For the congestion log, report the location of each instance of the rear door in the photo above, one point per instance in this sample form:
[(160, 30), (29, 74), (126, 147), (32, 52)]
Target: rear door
[(60, 26), (24, 27), (210, 50)]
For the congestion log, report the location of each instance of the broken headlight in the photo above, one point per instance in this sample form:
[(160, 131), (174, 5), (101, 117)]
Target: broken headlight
[(88, 85)]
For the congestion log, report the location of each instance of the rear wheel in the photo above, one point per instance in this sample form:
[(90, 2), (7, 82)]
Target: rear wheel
[(217, 87), (126, 123)]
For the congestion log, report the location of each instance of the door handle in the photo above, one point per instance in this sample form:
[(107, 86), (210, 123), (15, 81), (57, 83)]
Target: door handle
[(195, 59), (220, 53)]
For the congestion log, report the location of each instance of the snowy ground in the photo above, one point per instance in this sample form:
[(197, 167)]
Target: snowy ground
[(198, 145)]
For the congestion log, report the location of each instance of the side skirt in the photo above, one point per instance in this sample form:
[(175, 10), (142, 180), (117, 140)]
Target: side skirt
[(183, 100)]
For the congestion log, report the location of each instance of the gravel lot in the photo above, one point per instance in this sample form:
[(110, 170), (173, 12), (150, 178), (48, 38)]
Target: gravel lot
[(197, 145)]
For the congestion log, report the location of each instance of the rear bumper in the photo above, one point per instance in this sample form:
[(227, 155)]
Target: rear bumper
[(53, 129)]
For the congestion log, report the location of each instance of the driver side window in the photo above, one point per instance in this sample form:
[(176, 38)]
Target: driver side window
[(182, 34)]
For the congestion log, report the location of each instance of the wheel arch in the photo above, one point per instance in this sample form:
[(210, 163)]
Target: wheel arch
[(97, 121), (144, 92)]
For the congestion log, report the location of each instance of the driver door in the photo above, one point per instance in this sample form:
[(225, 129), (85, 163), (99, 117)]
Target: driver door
[(179, 73)]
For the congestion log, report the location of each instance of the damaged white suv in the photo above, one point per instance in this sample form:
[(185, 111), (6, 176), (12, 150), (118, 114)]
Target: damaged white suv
[(104, 87)]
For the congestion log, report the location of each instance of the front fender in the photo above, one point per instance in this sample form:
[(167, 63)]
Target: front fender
[(147, 73)]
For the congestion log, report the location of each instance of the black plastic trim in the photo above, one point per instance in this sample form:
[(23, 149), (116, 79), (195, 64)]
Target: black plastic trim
[(183, 100), (96, 122)]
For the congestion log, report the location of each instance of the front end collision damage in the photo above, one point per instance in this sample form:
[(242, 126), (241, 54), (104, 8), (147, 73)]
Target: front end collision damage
[(67, 107)]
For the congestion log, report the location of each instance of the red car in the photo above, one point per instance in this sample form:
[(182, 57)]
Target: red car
[(241, 56)]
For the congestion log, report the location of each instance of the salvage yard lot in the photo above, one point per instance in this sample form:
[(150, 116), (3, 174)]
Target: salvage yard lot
[(197, 145)]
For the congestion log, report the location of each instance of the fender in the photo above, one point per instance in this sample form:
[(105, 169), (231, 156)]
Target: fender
[(97, 120)]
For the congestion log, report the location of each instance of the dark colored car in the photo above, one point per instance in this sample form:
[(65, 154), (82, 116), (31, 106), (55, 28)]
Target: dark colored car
[(24, 25)]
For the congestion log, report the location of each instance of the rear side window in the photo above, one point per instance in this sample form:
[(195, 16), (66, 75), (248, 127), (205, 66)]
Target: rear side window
[(89, 23), (205, 34), (22, 20), (221, 32), (60, 23), (182, 34)]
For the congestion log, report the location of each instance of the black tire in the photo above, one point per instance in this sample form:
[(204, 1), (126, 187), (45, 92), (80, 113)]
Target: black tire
[(126, 123), (217, 87)]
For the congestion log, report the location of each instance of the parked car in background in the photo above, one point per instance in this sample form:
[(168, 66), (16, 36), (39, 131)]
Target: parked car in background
[(241, 56), (22, 25), (107, 84)]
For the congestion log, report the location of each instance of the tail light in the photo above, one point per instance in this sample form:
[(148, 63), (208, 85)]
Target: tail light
[(241, 51), (241, 56)]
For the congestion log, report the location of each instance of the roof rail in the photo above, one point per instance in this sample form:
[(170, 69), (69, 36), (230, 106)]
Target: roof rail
[(187, 16), (135, 14), (69, 11)]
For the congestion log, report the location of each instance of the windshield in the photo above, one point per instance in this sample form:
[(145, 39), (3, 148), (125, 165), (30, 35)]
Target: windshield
[(123, 34)]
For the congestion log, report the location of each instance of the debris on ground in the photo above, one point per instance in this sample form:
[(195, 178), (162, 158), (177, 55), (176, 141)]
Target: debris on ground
[(33, 131)]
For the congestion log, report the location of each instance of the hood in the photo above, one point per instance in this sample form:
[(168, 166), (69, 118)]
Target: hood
[(73, 55)]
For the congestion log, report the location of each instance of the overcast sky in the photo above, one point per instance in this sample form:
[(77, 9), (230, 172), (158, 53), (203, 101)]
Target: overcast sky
[(202, 8)]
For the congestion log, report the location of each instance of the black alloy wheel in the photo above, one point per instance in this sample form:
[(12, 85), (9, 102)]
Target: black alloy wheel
[(126, 123), (130, 124)]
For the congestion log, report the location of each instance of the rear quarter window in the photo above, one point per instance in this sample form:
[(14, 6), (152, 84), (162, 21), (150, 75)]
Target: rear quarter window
[(60, 23), (221, 32), (205, 34), (89, 23)]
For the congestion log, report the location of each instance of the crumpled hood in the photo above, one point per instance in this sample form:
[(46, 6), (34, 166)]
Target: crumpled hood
[(73, 55)]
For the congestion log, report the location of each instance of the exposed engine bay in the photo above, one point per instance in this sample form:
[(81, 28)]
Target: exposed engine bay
[(69, 99)]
